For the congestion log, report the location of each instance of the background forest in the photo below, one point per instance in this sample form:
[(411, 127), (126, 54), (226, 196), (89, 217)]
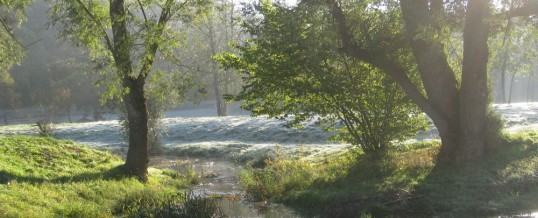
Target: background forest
[(56, 78)]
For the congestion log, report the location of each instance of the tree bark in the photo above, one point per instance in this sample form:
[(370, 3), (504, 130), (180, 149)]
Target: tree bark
[(437, 76), (474, 86), (137, 116), (137, 160)]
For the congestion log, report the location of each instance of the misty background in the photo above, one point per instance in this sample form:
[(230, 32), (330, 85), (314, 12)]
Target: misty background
[(56, 81)]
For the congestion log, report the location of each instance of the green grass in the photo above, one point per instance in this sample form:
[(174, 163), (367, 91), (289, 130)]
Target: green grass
[(406, 181), (45, 177)]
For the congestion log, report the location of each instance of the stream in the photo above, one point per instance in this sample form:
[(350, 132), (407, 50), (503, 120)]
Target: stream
[(220, 178)]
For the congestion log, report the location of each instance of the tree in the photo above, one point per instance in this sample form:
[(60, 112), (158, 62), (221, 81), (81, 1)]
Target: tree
[(209, 37), (516, 57), (7, 93), (456, 99), (292, 67), (123, 36), (11, 49), (11, 17)]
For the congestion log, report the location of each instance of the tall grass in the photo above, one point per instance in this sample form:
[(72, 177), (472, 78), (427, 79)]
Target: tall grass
[(404, 181)]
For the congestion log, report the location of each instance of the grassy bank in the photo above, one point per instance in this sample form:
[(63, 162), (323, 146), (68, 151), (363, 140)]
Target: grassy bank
[(45, 177), (406, 181)]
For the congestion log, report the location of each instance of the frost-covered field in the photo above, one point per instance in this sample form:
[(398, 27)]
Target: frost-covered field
[(192, 132)]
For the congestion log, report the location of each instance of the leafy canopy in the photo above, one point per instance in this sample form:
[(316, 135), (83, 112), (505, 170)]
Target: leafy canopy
[(89, 25), (293, 66), (12, 15)]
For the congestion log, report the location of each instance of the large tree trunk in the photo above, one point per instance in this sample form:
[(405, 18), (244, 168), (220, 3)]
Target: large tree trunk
[(474, 86), (137, 117), (135, 101), (437, 76), (459, 111)]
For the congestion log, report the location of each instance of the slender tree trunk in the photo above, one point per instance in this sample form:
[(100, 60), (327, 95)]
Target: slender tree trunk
[(503, 77), (221, 111), (511, 88), (98, 114), (5, 117), (504, 65), (529, 87), (69, 114), (225, 87), (220, 104), (506, 56)]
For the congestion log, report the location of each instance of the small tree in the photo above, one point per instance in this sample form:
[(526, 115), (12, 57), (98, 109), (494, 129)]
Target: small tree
[(292, 67)]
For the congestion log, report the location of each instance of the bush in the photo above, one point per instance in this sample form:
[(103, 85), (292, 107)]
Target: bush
[(294, 71), (45, 128)]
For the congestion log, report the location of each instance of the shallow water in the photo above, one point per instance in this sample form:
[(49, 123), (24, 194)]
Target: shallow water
[(219, 178)]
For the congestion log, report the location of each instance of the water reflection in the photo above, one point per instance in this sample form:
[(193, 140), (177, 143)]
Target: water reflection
[(220, 181), (241, 208)]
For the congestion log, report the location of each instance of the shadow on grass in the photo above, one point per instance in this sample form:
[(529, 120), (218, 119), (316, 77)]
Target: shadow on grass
[(358, 192), (506, 183), (115, 173), (373, 186), (496, 186)]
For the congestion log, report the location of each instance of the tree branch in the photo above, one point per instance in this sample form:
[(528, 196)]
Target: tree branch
[(149, 55), (105, 34), (8, 30), (143, 13), (397, 72)]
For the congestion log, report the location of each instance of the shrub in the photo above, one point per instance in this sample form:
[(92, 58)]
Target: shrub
[(45, 128)]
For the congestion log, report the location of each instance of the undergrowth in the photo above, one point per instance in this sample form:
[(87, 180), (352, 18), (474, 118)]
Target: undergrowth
[(404, 181), (46, 177)]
